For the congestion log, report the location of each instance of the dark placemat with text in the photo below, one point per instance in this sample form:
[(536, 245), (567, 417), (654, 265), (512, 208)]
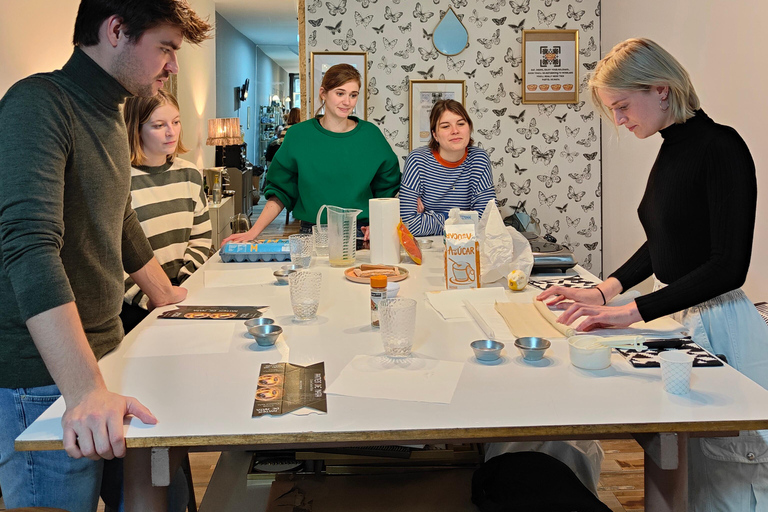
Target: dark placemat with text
[(650, 358), (285, 387), (568, 282), (214, 312)]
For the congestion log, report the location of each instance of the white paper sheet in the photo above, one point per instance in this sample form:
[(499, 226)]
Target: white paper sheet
[(224, 278), (414, 379), (183, 337), (450, 303)]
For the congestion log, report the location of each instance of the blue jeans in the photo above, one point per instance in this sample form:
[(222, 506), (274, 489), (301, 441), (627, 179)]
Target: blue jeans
[(46, 478), (730, 474)]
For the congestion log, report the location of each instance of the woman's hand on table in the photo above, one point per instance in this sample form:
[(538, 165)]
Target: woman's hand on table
[(598, 317), (559, 294), (239, 237), (176, 295)]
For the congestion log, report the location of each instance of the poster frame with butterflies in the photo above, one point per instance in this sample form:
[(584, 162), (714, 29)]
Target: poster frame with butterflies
[(542, 84), (320, 61), (419, 110)]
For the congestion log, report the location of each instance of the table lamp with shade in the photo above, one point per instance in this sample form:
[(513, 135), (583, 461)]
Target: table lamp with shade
[(223, 132)]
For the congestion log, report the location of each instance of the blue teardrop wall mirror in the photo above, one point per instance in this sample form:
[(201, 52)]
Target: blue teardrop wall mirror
[(450, 36)]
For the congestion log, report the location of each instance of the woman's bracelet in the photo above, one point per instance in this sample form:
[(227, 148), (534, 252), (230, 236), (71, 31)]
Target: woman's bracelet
[(601, 294)]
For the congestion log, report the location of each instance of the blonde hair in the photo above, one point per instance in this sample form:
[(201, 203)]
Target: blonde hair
[(137, 112), (336, 76), (639, 64)]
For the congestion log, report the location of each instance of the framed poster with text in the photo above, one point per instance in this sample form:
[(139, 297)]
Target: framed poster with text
[(550, 66)]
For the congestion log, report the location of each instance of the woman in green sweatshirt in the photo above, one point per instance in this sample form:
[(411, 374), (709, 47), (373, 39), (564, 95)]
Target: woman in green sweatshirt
[(335, 159)]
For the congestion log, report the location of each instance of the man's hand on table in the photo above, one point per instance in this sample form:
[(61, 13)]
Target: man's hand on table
[(93, 426)]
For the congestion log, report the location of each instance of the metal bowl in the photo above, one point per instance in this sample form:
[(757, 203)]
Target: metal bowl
[(532, 348), (425, 243), (282, 275), (266, 335), (255, 322), (292, 267), (487, 350)]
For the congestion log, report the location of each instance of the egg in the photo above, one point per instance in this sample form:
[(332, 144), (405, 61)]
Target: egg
[(517, 280)]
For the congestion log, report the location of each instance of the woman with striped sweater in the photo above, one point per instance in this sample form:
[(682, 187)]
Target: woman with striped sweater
[(166, 194), (448, 173)]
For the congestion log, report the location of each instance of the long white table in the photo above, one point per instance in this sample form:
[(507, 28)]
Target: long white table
[(205, 399)]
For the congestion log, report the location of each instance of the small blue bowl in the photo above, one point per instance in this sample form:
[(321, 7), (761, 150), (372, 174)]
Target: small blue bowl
[(487, 350)]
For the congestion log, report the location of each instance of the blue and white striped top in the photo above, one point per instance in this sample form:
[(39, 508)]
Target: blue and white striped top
[(442, 185)]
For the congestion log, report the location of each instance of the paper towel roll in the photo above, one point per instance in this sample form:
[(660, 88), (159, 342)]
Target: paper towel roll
[(384, 217)]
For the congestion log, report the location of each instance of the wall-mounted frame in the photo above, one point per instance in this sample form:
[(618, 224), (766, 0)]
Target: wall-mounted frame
[(322, 61), (550, 66), (422, 95)]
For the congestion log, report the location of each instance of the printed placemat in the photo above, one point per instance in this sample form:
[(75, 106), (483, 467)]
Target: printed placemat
[(568, 282), (285, 387), (214, 312), (650, 358)]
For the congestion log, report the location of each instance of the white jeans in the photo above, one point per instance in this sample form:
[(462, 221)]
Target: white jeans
[(729, 473)]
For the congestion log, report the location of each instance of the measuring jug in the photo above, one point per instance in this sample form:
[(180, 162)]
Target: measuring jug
[(342, 234)]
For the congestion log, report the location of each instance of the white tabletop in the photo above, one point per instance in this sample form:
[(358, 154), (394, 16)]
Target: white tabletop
[(206, 398)]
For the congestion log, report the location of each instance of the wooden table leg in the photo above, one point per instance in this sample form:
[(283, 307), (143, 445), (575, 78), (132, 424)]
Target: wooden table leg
[(666, 471)]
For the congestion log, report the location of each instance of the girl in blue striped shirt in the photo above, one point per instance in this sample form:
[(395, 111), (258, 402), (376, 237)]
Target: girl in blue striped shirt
[(450, 172)]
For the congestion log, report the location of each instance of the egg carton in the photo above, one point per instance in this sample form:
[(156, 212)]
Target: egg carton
[(260, 250)]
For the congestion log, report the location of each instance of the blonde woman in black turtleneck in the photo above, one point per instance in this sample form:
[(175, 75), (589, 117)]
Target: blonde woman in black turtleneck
[(698, 213)]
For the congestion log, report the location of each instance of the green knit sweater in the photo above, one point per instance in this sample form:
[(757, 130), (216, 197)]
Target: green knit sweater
[(66, 224), (314, 167)]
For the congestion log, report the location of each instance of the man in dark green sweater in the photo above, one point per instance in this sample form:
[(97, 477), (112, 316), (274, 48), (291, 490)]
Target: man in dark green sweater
[(67, 230)]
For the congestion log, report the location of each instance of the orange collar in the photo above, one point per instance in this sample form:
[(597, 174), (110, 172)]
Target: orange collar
[(446, 163)]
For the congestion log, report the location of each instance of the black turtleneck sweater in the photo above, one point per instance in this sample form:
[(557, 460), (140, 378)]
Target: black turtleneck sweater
[(698, 213), (66, 224)]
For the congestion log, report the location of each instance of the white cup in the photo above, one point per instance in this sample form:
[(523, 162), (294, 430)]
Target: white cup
[(676, 367)]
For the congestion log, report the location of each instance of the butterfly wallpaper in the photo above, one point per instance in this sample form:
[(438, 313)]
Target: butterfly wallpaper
[(546, 155)]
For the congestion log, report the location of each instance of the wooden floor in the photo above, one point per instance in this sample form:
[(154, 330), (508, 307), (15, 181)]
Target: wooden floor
[(621, 478)]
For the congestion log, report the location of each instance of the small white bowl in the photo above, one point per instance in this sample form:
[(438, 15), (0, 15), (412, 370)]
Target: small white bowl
[(588, 358)]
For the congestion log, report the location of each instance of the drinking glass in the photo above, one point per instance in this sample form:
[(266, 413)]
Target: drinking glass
[(320, 232), (676, 367), (397, 317), (240, 223), (305, 294), (301, 249)]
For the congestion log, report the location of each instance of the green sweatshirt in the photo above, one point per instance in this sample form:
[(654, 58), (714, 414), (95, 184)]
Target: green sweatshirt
[(66, 223), (314, 167)]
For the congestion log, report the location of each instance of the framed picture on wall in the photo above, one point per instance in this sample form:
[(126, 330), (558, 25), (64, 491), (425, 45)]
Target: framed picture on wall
[(422, 96), (550, 66), (322, 61)]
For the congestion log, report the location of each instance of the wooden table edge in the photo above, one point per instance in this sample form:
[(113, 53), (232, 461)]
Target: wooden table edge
[(484, 434)]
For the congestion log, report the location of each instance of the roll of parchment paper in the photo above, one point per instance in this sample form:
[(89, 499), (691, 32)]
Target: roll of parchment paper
[(384, 216)]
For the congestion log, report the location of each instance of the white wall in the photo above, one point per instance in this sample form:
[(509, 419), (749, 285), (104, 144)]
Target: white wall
[(721, 43), (32, 43)]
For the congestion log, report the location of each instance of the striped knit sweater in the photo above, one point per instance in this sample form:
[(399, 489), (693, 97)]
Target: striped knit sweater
[(441, 185), (173, 211)]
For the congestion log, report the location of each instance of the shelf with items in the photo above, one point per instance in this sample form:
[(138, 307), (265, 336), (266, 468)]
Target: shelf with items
[(270, 117)]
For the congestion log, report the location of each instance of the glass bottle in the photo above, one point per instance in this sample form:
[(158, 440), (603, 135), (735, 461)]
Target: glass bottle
[(378, 292)]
